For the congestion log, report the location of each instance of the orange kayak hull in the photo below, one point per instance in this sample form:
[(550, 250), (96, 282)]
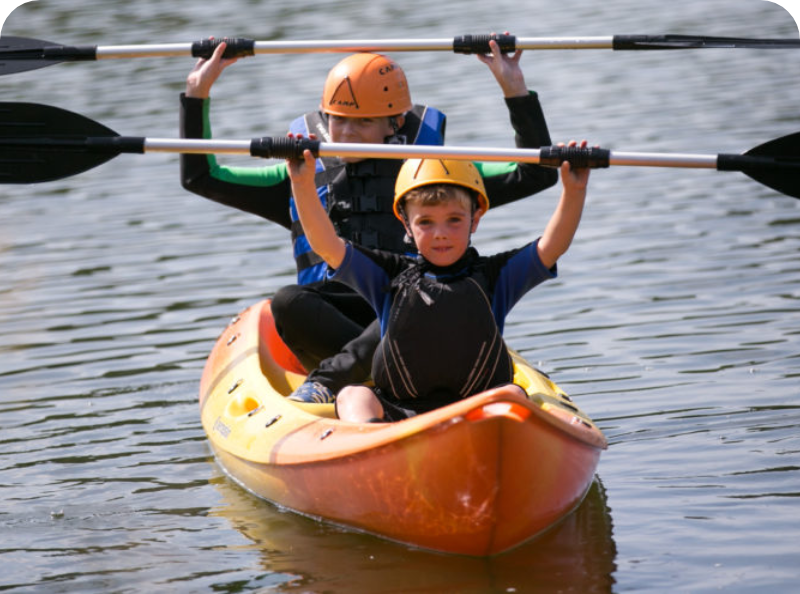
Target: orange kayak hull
[(477, 477)]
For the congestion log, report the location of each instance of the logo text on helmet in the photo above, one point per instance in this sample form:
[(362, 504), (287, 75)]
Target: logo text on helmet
[(344, 95)]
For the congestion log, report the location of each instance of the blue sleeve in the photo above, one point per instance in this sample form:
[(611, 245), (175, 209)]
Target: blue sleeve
[(521, 273), (366, 276)]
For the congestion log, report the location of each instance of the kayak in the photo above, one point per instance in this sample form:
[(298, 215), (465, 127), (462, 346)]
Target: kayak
[(476, 477)]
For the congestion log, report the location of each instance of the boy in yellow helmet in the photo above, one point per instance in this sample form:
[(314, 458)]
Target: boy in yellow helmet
[(443, 313), (365, 99)]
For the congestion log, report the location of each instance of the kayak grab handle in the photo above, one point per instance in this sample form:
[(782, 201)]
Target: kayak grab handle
[(499, 409)]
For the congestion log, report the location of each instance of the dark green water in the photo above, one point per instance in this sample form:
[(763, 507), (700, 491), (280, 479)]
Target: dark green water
[(675, 322)]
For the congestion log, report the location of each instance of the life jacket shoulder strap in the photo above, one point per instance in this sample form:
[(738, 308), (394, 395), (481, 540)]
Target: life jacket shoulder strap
[(423, 125)]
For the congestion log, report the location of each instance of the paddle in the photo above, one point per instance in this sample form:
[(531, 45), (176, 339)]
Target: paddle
[(40, 143), (18, 54)]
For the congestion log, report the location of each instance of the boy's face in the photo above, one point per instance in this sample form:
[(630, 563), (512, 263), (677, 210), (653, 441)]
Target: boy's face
[(442, 231), (360, 130)]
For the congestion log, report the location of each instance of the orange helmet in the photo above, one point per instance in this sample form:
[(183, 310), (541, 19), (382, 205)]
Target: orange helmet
[(416, 173), (366, 86)]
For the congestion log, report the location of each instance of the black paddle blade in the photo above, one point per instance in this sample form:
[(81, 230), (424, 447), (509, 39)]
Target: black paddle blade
[(680, 42), (40, 143), (19, 54), (776, 164)]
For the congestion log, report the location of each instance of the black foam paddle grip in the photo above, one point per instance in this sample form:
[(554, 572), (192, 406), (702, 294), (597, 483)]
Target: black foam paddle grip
[(479, 44), (236, 47), (283, 148), (593, 157)]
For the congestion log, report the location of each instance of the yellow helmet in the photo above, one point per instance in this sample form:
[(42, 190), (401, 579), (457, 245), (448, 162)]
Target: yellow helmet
[(416, 173), (366, 86)]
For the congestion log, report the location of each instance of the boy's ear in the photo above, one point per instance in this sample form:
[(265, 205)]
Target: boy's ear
[(476, 219)]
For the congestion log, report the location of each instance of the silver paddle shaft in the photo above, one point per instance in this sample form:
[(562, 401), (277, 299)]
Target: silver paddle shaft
[(393, 151)]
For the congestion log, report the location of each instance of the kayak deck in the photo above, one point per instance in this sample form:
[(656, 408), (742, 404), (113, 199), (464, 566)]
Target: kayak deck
[(476, 477)]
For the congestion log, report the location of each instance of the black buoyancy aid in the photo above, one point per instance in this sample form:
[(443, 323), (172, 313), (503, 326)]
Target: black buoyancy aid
[(442, 342), (359, 196)]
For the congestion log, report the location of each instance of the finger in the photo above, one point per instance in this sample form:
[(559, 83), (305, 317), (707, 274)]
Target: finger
[(219, 51), (517, 53), (493, 45)]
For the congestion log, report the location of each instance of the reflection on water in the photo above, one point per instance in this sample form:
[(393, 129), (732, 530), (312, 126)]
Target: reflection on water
[(578, 555)]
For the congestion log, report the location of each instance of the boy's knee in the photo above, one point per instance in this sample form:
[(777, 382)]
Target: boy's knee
[(295, 305), (351, 396), (284, 300), (289, 312), (358, 403)]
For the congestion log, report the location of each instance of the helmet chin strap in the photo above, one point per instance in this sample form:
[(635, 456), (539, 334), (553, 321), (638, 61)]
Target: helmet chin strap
[(471, 224), (409, 238), (396, 137)]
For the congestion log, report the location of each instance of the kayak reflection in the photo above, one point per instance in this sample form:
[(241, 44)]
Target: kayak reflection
[(577, 555)]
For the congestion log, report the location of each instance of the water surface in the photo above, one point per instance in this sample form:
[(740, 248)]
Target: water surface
[(675, 322)]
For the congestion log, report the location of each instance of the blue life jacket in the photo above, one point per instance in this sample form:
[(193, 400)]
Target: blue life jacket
[(359, 196)]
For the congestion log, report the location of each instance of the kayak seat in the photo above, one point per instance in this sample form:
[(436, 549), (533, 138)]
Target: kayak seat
[(279, 365), (277, 349)]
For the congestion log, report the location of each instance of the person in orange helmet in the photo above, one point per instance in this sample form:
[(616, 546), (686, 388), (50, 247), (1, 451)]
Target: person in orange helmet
[(365, 99), (428, 357)]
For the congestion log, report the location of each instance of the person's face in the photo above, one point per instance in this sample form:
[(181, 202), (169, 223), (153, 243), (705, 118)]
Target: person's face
[(442, 231), (359, 130)]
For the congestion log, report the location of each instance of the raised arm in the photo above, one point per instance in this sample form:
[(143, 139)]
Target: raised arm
[(508, 182), (506, 70), (263, 191), (206, 72), (563, 224), (318, 228)]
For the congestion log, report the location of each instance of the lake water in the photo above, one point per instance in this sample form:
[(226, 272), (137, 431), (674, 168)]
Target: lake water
[(675, 322)]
